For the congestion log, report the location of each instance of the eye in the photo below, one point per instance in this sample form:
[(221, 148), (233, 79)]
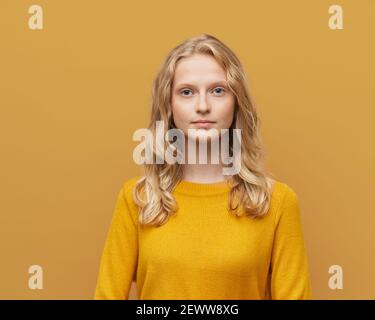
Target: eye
[(185, 91), (219, 90)]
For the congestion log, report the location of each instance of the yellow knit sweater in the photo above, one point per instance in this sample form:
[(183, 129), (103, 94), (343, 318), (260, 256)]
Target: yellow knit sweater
[(205, 252)]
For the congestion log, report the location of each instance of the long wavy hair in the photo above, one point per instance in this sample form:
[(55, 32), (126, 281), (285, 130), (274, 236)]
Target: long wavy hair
[(251, 188)]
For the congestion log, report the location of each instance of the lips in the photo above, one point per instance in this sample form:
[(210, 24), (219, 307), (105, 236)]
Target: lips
[(203, 121), (203, 124)]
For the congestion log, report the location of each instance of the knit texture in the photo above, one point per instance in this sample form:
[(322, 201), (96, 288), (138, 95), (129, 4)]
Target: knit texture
[(204, 251)]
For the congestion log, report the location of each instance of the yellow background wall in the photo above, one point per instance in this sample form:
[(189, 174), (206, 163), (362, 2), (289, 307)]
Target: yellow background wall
[(73, 93)]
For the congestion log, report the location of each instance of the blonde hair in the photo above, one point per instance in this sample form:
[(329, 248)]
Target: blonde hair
[(251, 187)]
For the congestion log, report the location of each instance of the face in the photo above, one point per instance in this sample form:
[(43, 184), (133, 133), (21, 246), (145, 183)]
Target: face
[(200, 92)]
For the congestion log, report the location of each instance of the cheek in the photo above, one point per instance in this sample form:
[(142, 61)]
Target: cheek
[(227, 111), (177, 110), (180, 114), (181, 108)]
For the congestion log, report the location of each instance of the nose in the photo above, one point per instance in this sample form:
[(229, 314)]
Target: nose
[(202, 106)]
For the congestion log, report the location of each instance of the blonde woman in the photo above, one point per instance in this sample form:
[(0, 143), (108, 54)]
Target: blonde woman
[(190, 231)]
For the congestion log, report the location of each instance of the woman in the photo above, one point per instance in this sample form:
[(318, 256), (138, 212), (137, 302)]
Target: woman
[(189, 231)]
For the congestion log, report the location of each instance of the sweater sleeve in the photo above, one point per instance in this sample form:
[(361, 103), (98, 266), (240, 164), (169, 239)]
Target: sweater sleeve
[(290, 278), (120, 254)]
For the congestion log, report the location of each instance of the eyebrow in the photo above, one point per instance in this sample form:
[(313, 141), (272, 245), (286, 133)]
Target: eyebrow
[(186, 84)]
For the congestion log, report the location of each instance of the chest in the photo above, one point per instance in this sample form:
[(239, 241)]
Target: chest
[(208, 240)]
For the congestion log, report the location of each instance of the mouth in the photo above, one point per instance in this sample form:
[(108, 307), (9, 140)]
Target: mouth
[(203, 121)]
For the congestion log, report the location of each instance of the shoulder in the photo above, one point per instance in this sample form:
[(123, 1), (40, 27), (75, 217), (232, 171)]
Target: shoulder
[(282, 191), (125, 198), (130, 183), (127, 190), (283, 196)]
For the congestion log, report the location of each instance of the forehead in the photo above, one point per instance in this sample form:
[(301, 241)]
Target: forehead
[(198, 68)]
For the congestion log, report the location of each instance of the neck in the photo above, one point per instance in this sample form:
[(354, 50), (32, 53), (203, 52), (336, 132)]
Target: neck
[(204, 172)]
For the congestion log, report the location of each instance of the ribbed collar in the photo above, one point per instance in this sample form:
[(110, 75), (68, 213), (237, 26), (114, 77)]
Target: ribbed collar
[(201, 189)]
